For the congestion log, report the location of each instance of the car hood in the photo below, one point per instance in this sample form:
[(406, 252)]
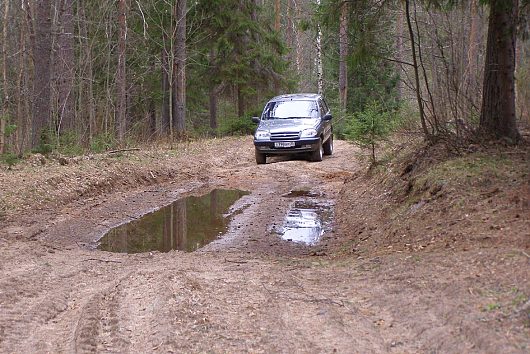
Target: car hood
[(288, 125)]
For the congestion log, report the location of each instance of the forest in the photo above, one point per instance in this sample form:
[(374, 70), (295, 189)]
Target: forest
[(94, 75)]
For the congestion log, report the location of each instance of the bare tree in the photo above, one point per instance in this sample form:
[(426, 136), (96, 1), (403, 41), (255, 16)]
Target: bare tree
[(320, 70), (399, 49), (65, 64), (42, 69), (121, 79), (179, 66), (87, 113), (5, 92), (416, 71), (343, 54)]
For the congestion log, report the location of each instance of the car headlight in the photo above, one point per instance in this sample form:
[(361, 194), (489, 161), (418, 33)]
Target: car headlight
[(309, 133), (262, 134)]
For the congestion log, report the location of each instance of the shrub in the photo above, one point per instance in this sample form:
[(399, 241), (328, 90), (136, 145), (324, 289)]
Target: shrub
[(370, 126), (102, 142), (236, 126), (70, 144), (45, 142), (10, 159)]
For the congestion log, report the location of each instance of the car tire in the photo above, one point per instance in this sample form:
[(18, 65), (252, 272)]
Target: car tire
[(328, 146), (261, 158), (316, 156)]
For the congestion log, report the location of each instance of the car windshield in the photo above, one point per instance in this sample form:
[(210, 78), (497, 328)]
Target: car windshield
[(290, 110)]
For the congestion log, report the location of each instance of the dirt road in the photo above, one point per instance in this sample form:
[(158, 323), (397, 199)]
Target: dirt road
[(250, 291)]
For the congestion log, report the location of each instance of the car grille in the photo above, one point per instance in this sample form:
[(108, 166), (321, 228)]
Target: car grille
[(285, 136)]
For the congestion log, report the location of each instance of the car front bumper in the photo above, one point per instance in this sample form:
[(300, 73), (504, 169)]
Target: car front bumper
[(300, 145)]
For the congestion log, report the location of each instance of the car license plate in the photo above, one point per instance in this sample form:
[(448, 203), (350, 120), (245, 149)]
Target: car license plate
[(284, 144)]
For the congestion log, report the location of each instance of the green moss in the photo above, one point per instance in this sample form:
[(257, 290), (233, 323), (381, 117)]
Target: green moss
[(469, 170)]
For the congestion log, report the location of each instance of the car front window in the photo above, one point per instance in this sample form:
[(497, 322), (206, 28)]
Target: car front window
[(291, 110)]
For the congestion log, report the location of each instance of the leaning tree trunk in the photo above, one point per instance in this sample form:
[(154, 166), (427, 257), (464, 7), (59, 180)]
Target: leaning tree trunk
[(416, 72), (497, 116), (42, 70)]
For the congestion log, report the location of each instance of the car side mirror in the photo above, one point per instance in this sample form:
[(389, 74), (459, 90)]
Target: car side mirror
[(255, 119), (327, 117)]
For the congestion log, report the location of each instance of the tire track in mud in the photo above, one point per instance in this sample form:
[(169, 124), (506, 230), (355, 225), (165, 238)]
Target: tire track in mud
[(21, 320), (97, 327)]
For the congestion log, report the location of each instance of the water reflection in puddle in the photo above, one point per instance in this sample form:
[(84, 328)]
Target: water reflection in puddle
[(306, 221), (187, 225)]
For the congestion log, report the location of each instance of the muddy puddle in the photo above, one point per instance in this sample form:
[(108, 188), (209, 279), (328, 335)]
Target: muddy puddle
[(307, 219), (187, 225)]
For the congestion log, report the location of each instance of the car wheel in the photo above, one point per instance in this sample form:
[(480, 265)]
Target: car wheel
[(260, 158), (317, 155), (328, 146)]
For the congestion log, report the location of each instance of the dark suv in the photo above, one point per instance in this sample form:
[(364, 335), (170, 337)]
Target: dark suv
[(292, 124)]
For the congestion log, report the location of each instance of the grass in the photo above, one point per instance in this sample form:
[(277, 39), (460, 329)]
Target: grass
[(467, 170), (492, 307)]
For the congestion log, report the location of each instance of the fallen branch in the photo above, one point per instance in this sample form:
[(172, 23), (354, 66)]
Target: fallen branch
[(235, 261), (122, 150), (103, 260)]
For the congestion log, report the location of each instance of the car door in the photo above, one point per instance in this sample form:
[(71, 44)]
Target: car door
[(326, 124)]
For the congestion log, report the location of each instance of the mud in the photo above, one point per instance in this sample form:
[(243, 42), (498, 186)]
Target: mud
[(187, 224), (249, 291), (307, 221)]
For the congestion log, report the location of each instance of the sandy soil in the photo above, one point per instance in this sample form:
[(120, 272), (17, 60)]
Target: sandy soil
[(427, 278)]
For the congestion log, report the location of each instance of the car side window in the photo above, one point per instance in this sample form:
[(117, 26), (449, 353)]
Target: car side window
[(321, 108), (325, 107)]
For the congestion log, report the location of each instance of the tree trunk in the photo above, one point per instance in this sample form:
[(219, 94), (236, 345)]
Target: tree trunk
[(297, 36), (22, 83), (86, 99), (65, 67), (399, 50), (289, 31), (472, 52), (152, 118), (497, 116), (179, 74), (277, 15), (416, 72), (212, 95), (166, 102), (320, 73), (5, 91), (121, 79), (240, 102), (343, 54), (42, 70)]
